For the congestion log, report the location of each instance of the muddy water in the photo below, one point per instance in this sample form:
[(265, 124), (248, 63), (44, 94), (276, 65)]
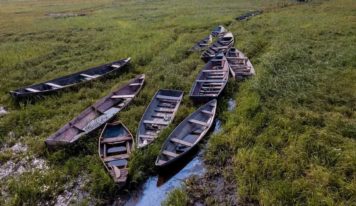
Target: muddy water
[(156, 188)]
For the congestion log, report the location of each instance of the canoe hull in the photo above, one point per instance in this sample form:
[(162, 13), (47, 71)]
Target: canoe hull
[(68, 81), (96, 115)]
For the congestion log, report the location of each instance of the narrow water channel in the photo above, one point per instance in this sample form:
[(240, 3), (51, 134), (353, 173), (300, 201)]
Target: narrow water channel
[(156, 188)]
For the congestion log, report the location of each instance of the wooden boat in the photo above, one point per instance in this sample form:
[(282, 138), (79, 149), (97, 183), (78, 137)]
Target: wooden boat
[(220, 46), (219, 30), (202, 44), (158, 115), (115, 147), (98, 114), (240, 65), (187, 134), (69, 80), (211, 80)]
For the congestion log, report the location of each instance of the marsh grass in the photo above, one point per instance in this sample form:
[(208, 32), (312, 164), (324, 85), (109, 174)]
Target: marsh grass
[(291, 137)]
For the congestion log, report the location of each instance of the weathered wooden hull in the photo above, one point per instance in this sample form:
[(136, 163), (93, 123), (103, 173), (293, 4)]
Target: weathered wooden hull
[(96, 115), (211, 81), (68, 81), (158, 115), (240, 66), (187, 135), (222, 45), (202, 45), (115, 146)]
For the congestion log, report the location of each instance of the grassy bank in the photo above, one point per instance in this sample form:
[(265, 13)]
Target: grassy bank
[(291, 140)]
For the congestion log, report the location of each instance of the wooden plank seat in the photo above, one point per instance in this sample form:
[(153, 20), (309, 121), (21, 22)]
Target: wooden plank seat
[(119, 149), (167, 97), (161, 162), (213, 84), (116, 66), (164, 110), (169, 153), (182, 142), (146, 136), (194, 121), (89, 76), (211, 80), (135, 84), (207, 112), (54, 85), (122, 96), (155, 122), (32, 90), (160, 115), (115, 157), (115, 139), (212, 71)]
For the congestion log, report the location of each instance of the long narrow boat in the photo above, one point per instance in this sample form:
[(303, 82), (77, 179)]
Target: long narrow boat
[(219, 30), (115, 147), (211, 80), (220, 46), (69, 80), (98, 114), (158, 115), (240, 65), (202, 44), (187, 135)]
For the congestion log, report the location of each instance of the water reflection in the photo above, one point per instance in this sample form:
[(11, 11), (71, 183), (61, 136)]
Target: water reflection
[(156, 188)]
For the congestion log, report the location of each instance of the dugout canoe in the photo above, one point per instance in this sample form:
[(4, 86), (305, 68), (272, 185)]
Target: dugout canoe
[(219, 30), (202, 44), (97, 115), (70, 80), (211, 80), (187, 135), (115, 147), (220, 46), (240, 65), (158, 115)]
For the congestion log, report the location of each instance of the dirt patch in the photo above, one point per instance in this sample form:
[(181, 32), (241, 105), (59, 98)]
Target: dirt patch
[(3, 111)]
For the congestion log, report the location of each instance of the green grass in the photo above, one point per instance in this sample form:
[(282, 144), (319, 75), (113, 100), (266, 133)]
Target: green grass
[(291, 138)]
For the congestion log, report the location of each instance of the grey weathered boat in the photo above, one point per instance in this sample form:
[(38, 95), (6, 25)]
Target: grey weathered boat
[(202, 44), (187, 135), (158, 115), (219, 30), (220, 46), (115, 147), (71, 80), (97, 115), (211, 80), (240, 65)]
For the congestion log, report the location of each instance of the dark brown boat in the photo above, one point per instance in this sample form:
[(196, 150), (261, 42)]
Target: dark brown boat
[(202, 44), (187, 135), (223, 44), (240, 65), (71, 80), (98, 114), (115, 147), (211, 80), (158, 115)]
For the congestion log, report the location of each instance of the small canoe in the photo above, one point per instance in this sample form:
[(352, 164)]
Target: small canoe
[(211, 80), (240, 65), (97, 115), (202, 44), (187, 135), (223, 44), (71, 80), (158, 115), (115, 147), (219, 30)]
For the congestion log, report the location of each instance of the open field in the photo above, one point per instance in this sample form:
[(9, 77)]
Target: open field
[(291, 139)]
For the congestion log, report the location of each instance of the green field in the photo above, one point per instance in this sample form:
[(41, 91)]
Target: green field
[(291, 140)]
